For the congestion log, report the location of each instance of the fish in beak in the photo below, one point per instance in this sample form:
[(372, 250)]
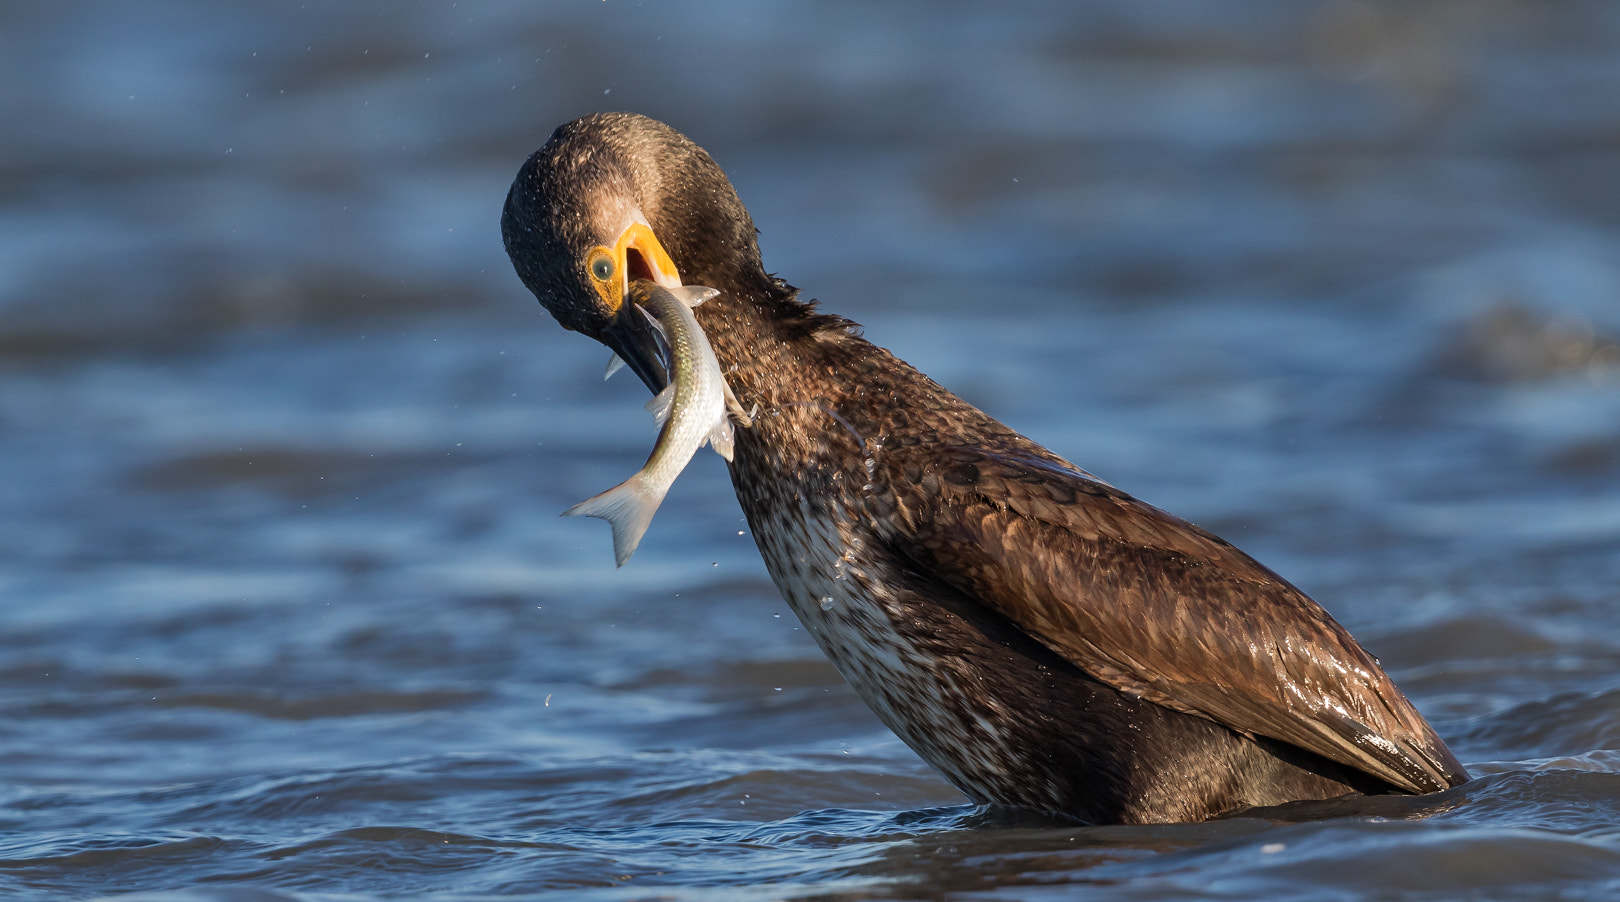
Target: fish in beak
[(631, 334)]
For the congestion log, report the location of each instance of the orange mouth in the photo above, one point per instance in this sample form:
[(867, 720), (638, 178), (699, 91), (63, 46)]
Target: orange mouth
[(636, 255)]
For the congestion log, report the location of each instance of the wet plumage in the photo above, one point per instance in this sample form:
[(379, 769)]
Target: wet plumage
[(1042, 638), (691, 412)]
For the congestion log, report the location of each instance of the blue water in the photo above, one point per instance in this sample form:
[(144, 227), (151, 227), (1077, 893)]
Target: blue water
[(286, 609)]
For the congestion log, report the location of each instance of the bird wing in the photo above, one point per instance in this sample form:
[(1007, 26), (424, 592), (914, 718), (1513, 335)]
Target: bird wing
[(1155, 606)]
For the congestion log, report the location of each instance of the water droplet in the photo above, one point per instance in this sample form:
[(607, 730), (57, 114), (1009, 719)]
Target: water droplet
[(826, 602)]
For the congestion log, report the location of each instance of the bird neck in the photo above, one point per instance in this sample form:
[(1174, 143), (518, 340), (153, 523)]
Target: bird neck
[(818, 388), (776, 350)]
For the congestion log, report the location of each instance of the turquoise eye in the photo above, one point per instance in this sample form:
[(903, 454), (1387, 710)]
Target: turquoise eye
[(602, 268)]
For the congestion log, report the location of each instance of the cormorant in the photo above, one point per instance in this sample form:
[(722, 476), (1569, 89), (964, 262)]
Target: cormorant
[(1043, 639)]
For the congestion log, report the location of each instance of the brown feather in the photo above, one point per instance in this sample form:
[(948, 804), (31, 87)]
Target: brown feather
[(1152, 605), (1042, 638)]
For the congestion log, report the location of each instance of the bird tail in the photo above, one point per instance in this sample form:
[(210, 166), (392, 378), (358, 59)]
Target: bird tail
[(629, 506)]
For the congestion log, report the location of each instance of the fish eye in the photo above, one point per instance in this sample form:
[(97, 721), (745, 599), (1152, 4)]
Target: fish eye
[(601, 267)]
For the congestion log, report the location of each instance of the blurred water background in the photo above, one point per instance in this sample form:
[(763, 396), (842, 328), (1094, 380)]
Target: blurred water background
[(286, 609)]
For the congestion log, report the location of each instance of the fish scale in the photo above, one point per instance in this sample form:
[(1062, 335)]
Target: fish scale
[(691, 410)]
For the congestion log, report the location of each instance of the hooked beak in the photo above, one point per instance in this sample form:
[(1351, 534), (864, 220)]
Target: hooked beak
[(638, 255), (632, 336)]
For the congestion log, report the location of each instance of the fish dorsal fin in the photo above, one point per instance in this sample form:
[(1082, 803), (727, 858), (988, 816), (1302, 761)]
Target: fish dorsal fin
[(661, 402), (615, 363), (720, 438), (693, 295), (745, 417)]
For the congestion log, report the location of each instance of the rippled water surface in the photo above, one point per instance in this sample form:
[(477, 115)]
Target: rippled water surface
[(286, 609)]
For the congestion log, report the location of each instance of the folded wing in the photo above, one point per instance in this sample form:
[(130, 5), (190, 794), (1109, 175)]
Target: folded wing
[(1157, 607)]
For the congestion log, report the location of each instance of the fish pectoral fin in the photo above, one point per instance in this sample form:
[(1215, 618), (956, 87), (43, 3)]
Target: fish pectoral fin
[(661, 335), (720, 438), (661, 402), (657, 324), (614, 365)]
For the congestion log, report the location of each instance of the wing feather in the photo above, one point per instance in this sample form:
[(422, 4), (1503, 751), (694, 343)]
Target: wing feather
[(1158, 607)]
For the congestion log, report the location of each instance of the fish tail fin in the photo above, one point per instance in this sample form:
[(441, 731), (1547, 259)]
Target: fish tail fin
[(720, 438), (629, 507)]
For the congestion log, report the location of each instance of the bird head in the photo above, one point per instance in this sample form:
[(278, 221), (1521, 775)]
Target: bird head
[(613, 198)]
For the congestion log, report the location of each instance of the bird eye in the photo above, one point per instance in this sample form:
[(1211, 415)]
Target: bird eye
[(602, 267)]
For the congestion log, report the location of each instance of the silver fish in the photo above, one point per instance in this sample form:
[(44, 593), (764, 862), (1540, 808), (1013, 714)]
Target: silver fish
[(692, 411)]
